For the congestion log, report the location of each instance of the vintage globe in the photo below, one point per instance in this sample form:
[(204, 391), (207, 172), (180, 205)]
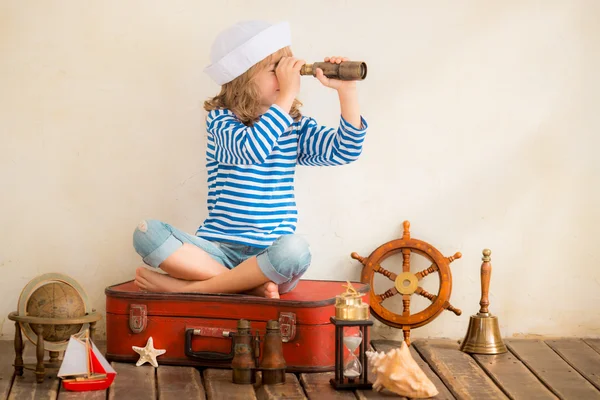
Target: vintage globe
[(53, 295), (56, 300)]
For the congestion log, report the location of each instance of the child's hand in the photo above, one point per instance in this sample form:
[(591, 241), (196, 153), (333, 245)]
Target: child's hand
[(288, 76), (336, 84)]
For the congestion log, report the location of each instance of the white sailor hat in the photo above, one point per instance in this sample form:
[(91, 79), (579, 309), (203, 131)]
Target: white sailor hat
[(239, 47)]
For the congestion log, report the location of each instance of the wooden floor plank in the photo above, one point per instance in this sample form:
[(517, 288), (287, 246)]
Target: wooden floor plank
[(218, 386), (291, 389), (594, 344), (552, 370), (373, 395), (579, 356), (387, 345), (560, 364), (515, 379), (459, 371), (177, 383), (317, 387), (133, 382), (26, 386), (7, 357), (91, 395)]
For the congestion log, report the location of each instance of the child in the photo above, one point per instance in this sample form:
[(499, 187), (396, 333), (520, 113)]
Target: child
[(256, 136)]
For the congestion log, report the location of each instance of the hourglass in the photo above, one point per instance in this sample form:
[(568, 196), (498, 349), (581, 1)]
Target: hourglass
[(351, 370), (352, 366), (351, 332)]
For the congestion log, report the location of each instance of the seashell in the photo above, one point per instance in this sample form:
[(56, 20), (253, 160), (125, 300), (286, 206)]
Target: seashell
[(399, 373)]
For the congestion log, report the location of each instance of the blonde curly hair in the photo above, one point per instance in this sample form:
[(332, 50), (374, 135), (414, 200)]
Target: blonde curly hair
[(242, 95)]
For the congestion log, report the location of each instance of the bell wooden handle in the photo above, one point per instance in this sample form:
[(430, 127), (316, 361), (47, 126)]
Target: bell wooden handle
[(486, 272)]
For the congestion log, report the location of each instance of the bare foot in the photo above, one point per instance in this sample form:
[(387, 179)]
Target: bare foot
[(269, 290), (156, 282)]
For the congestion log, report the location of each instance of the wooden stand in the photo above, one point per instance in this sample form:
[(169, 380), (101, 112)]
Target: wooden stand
[(37, 324)]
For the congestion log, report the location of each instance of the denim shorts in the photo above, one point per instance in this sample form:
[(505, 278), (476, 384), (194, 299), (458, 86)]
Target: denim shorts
[(284, 262)]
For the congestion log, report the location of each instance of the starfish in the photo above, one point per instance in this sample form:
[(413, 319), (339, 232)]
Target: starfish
[(148, 353)]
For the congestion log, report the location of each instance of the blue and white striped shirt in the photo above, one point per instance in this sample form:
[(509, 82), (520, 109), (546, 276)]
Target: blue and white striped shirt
[(251, 171)]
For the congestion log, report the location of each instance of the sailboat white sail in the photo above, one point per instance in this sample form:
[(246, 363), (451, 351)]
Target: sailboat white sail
[(74, 359)]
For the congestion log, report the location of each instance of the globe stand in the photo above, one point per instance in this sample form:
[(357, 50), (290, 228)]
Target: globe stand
[(51, 308), (37, 324)]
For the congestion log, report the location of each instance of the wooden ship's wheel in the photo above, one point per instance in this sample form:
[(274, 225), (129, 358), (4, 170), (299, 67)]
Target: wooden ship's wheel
[(406, 283)]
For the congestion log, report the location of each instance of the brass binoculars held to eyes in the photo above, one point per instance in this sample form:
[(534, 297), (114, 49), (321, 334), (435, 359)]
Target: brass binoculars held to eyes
[(345, 71)]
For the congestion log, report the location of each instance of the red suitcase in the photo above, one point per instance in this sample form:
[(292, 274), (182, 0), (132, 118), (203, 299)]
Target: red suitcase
[(191, 326)]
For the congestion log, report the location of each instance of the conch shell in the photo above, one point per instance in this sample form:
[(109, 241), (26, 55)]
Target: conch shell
[(398, 372)]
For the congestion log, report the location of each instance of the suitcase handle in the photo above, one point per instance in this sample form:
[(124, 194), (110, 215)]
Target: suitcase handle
[(204, 355)]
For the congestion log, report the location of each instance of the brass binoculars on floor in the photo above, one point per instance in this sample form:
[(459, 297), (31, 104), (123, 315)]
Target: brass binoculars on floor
[(345, 71), (247, 351)]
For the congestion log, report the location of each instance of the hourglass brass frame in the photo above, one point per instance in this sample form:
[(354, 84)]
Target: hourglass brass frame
[(339, 382)]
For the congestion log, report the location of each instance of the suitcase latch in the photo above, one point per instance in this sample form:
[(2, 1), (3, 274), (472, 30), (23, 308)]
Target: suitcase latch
[(287, 326), (138, 317)]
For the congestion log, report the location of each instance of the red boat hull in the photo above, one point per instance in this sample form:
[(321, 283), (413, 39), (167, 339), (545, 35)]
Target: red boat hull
[(83, 386)]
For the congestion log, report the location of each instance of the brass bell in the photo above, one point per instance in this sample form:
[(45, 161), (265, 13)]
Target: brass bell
[(483, 335)]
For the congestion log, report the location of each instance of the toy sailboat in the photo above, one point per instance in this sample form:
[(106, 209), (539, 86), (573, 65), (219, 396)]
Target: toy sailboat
[(84, 367)]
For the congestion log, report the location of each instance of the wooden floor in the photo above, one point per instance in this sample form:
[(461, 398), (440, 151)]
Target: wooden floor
[(532, 369)]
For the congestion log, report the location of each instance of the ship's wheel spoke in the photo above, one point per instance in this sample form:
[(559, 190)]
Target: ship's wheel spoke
[(456, 256), (425, 293), (422, 274), (405, 305), (387, 294), (390, 275), (406, 260), (450, 307)]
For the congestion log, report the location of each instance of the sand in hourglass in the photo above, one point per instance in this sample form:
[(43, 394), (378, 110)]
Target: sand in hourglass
[(352, 368)]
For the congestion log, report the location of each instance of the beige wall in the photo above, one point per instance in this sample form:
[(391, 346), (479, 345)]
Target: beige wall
[(483, 133)]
